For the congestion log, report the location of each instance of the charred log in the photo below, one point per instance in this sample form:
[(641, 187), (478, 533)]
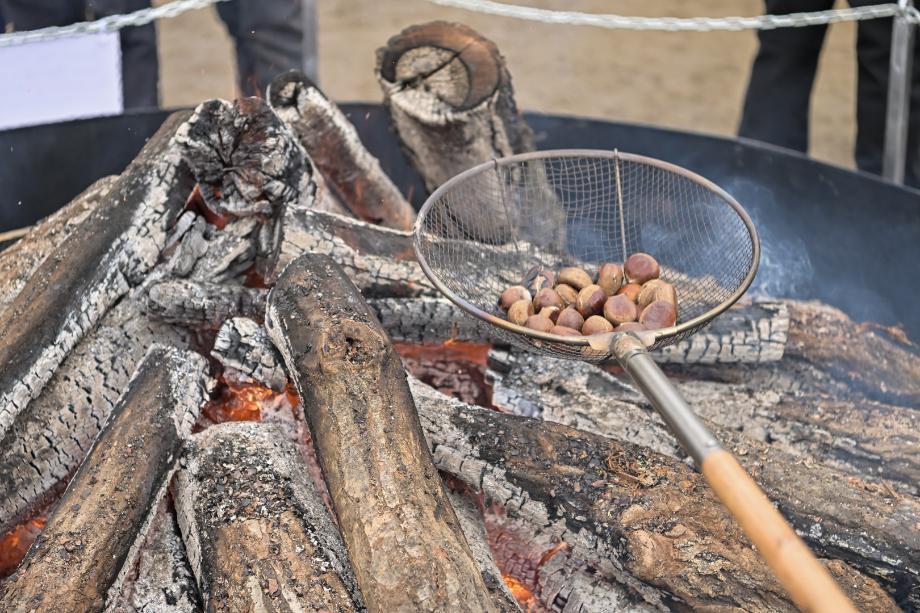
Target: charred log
[(243, 344), (194, 304), (644, 518), (403, 537), (90, 534), (19, 261), (333, 144), (160, 580), (450, 98), (258, 534), (101, 258)]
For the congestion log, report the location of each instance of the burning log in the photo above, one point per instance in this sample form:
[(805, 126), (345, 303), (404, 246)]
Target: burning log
[(471, 522), (840, 515), (19, 261), (403, 537), (243, 344), (450, 99), (643, 518), (107, 253), (197, 304), (334, 146), (89, 535), (161, 579), (258, 534), (47, 441)]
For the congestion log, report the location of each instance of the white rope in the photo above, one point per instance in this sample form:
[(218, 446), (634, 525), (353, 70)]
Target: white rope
[(684, 24), (106, 24)]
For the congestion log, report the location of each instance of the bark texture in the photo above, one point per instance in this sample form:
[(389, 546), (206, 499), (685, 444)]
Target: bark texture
[(839, 514), (450, 98), (258, 534), (403, 537), (333, 144), (193, 304), (94, 527), (160, 579), (639, 516), (101, 258)]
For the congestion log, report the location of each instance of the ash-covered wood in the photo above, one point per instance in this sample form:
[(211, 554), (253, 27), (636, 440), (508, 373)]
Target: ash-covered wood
[(474, 529), (80, 554), (243, 344), (841, 515), (639, 516), (198, 304), (403, 537), (160, 579), (380, 261), (449, 94), (19, 261), (333, 144), (47, 441), (101, 258), (258, 534)]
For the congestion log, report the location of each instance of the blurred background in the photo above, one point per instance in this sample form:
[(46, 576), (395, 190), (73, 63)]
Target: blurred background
[(691, 81)]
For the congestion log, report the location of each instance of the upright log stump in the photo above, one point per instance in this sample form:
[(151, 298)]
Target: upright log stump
[(403, 537)]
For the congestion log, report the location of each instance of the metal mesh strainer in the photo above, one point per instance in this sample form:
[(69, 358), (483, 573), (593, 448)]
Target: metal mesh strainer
[(484, 229)]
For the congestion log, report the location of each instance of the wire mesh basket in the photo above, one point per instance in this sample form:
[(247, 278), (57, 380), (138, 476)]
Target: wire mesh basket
[(486, 228)]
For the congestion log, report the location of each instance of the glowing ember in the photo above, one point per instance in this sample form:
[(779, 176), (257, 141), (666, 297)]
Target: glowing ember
[(239, 402), (524, 596), (455, 368), (15, 543)]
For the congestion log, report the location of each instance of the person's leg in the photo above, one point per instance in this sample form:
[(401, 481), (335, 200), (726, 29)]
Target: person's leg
[(22, 15), (873, 52), (139, 62), (269, 39), (779, 91)]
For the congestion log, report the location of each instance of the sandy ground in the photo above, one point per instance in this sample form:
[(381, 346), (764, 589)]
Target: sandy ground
[(691, 81)]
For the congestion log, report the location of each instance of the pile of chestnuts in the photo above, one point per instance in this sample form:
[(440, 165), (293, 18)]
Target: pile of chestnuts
[(628, 297)]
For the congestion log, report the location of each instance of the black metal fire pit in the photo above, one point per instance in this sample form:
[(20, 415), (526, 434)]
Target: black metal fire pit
[(846, 238)]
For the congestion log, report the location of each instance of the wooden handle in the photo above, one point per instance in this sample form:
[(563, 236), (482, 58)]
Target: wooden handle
[(807, 581)]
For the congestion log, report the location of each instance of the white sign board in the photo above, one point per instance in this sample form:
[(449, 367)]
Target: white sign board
[(60, 79)]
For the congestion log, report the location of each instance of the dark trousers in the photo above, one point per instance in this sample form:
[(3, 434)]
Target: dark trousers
[(138, 44), (778, 95), (268, 35)]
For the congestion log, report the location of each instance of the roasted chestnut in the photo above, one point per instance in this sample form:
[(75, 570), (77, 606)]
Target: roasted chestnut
[(520, 311), (596, 325), (567, 293), (631, 290), (570, 318), (656, 289), (610, 278), (547, 297), (565, 331), (512, 295), (641, 267), (576, 277), (659, 314), (590, 301), (539, 322), (631, 326), (620, 310), (538, 278), (550, 312)]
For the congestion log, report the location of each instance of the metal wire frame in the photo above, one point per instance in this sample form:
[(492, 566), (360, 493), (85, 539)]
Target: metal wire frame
[(485, 228)]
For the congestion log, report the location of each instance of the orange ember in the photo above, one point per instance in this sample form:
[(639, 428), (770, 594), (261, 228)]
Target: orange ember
[(15, 543), (238, 402), (455, 368), (524, 596), (449, 350)]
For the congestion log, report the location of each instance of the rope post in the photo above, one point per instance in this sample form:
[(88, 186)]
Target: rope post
[(310, 60), (899, 86)]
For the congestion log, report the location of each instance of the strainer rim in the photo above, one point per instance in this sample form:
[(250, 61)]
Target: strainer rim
[(649, 338)]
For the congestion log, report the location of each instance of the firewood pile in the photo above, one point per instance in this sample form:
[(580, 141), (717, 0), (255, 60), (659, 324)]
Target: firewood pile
[(205, 403)]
